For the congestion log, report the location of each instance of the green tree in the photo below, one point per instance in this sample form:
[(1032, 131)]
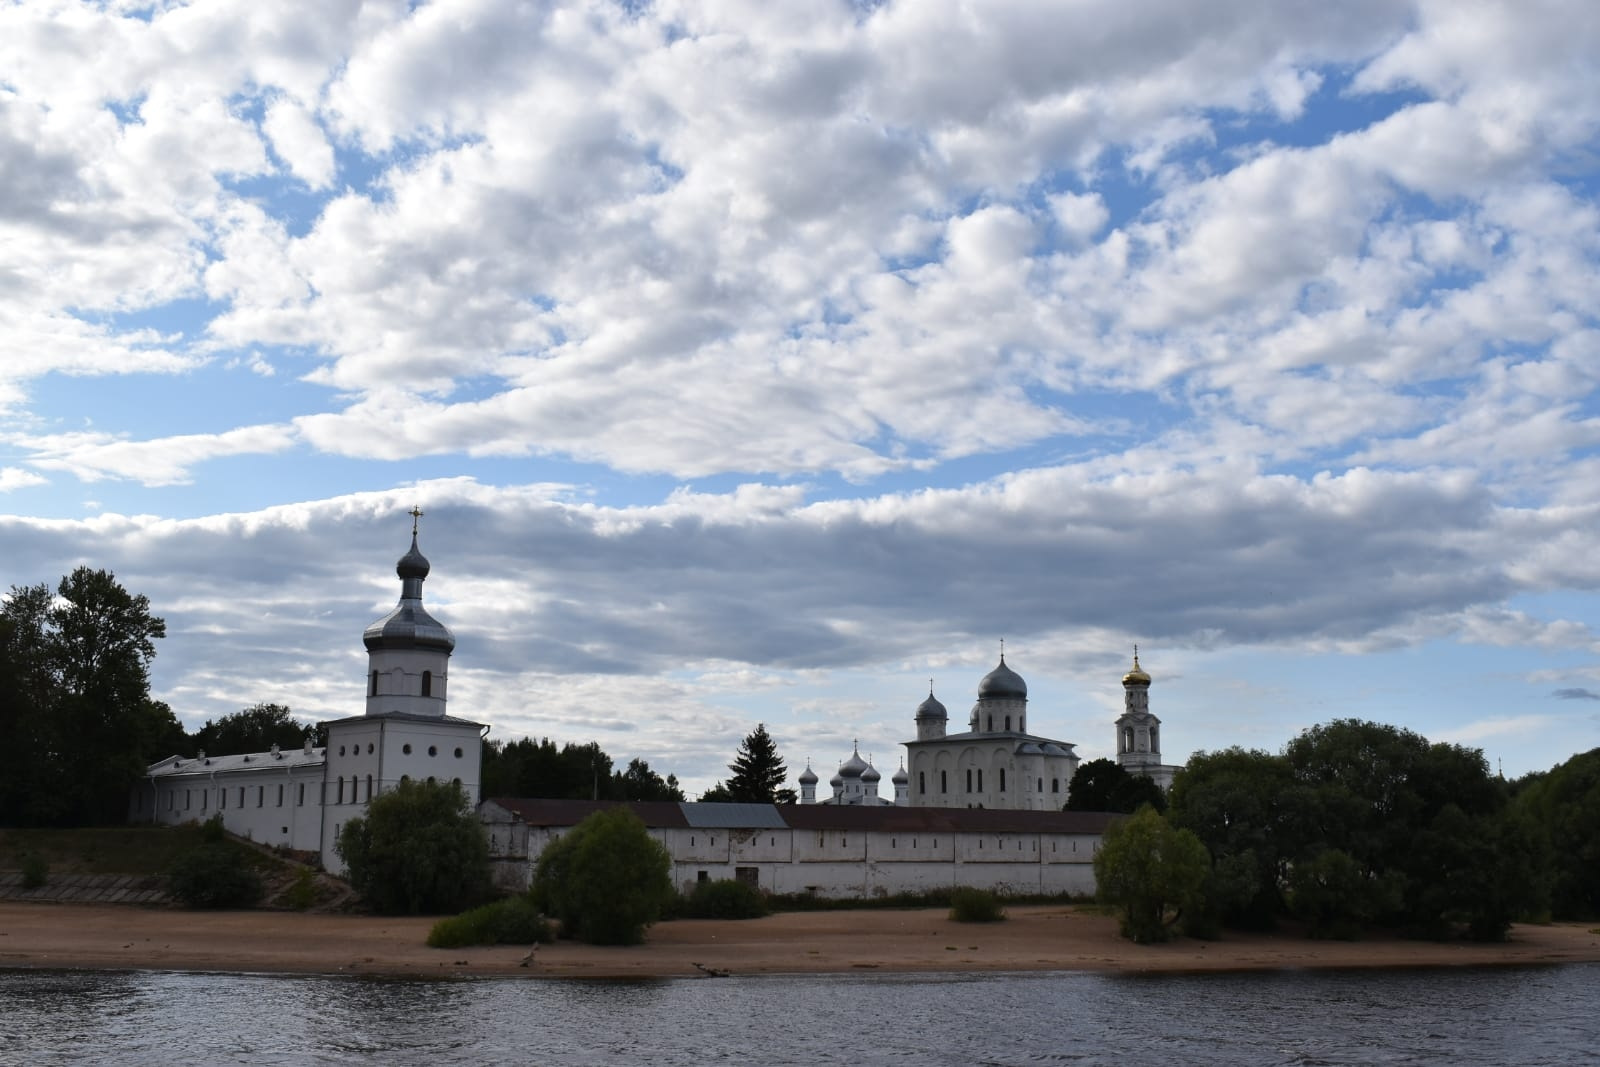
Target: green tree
[(717, 794), (639, 782), (758, 771), (1243, 806), (1565, 801), (255, 729), (606, 880), (1105, 785), (529, 768), (82, 725), (1151, 872), (419, 849)]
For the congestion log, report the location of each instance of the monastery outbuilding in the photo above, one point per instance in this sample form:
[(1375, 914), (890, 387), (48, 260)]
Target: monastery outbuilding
[(301, 799)]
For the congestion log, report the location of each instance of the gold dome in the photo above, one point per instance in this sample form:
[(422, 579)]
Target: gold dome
[(1137, 676)]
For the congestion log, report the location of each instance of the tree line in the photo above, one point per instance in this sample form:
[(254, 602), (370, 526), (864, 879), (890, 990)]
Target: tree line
[(1356, 825)]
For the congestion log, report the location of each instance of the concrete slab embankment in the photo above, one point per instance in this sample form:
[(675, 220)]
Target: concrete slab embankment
[(87, 889)]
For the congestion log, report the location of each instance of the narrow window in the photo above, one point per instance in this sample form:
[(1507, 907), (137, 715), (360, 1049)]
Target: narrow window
[(1055, 785), (991, 723), (922, 783), (980, 779), (222, 795), (188, 799), (341, 792), (301, 802), (261, 796), (969, 779), (280, 796), (372, 690), (427, 683), (369, 787), (241, 796), (1002, 779), (1008, 722), (891, 843)]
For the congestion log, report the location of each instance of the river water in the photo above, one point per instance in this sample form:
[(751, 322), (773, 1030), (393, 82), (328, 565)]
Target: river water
[(1503, 1015)]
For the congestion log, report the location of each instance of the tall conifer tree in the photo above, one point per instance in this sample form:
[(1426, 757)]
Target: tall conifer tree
[(758, 770)]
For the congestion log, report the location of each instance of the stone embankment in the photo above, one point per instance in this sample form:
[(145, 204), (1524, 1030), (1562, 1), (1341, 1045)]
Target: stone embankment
[(87, 889)]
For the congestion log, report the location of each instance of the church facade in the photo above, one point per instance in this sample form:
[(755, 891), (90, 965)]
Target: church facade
[(301, 799), (996, 763)]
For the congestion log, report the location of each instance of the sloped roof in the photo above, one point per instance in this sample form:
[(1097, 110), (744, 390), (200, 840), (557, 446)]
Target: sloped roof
[(286, 759), (665, 815)]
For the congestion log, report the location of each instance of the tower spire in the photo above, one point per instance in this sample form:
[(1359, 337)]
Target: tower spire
[(416, 514)]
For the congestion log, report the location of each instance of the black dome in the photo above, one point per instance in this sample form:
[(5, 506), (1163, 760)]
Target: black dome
[(1003, 683)]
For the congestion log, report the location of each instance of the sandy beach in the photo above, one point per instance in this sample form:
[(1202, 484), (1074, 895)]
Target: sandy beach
[(61, 936)]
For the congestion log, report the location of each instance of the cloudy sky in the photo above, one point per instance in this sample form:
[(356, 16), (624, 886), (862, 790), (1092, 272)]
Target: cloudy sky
[(762, 362)]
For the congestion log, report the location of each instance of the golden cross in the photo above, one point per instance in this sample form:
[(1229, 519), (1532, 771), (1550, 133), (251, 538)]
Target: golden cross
[(415, 513)]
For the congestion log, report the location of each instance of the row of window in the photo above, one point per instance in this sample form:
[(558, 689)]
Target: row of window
[(427, 684), (433, 750), (262, 792), (944, 781)]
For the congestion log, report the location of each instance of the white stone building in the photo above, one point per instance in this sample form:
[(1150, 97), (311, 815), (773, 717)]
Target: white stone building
[(300, 799), (828, 850), (1138, 731), (995, 762)]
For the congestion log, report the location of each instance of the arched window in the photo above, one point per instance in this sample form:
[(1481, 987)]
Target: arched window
[(991, 723), (1155, 746), (1002, 779), (341, 791), (427, 683), (922, 783), (1127, 739), (372, 689), (369, 787), (1008, 722)]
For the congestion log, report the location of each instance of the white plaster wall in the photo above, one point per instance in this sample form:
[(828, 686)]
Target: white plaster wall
[(377, 747), (854, 864), (400, 681), (295, 822)]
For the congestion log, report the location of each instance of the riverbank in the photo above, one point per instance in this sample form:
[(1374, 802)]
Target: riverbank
[(1033, 938)]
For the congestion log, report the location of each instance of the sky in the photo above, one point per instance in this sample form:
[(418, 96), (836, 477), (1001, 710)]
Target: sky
[(768, 363)]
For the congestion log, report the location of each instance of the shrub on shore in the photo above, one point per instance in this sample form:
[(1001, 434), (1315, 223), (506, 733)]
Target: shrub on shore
[(975, 906), (512, 921), (212, 875), (724, 898), (35, 870)]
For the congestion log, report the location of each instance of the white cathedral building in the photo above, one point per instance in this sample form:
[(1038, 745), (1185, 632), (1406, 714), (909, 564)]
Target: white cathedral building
[(300, 799), (996, 763)]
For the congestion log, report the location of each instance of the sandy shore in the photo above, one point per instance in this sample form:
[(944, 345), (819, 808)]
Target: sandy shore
[(65, 936)]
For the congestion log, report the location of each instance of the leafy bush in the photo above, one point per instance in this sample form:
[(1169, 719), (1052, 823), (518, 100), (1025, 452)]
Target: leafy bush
[(303, 893), (512, 921), (212, 876), (975, 906), (35, 870), (724, 898), (1152, 873), (418, 849), (606, 880)]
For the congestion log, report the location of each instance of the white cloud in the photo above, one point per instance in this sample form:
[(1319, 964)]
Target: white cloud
[(12, 478)]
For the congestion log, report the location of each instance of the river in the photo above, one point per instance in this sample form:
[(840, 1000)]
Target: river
[(1500, 1016)]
